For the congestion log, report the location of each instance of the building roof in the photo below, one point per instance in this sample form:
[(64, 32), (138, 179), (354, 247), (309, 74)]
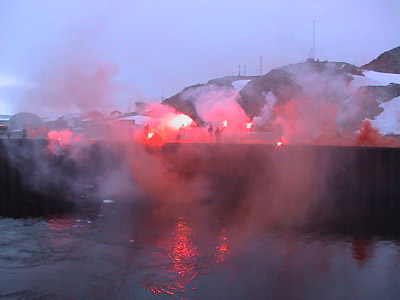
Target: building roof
[(139, 120), (5, 117)]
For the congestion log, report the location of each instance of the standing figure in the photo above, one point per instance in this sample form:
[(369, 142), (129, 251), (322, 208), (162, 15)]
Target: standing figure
[(24, 132), (146, 130), (210, 131), (218, 135)]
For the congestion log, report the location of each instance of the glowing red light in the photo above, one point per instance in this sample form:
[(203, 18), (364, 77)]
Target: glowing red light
[(62, 138), (223, 250), (249, 125), (184, 254), (150, 135), (226, 123), (281, 142)]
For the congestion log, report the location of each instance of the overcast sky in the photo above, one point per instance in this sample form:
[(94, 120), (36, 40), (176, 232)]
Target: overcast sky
[(167, 45)]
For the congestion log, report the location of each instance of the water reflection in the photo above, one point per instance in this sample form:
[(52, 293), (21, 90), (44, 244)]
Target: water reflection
[(222, 248), (362, 250), (183, 258), (184, 255)]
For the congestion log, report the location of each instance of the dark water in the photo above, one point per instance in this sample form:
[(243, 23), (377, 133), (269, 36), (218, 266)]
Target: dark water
[(121, 251)]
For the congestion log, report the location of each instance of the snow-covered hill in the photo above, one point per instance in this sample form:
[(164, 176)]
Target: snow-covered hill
[(307, 98)]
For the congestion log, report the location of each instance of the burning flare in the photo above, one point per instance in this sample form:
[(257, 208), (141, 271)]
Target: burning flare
[(283, 141)]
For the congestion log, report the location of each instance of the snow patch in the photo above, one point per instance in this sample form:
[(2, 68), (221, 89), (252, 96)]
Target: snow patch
[(383, 78), (374, 78), (238, 85), (359, 81), (388, 122)]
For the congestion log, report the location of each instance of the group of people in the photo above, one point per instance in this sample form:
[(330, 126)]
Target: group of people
[(217, 133), (212, 134)]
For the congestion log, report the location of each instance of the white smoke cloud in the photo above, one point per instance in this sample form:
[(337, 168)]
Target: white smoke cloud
[(266, 111), (320, 110), (215, 104)]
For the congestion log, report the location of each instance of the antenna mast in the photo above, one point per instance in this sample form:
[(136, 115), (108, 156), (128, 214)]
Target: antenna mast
[(313, 48)]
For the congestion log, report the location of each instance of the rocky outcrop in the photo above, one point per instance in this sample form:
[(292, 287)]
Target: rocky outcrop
[(387, 62), (184, 104), (185, 100), (281, 83), (369, 98), (327, 81)]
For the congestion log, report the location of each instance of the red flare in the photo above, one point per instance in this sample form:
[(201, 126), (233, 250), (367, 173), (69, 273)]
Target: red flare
[(283, 141)]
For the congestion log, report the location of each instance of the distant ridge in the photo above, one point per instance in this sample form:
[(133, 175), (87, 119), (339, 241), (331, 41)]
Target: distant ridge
[(387, 62)]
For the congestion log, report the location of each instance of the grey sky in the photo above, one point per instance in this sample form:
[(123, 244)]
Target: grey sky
[(167, 45)]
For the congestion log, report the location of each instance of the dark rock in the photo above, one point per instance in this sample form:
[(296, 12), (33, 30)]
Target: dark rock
[(326, 80), (184, 101), (334, 68), (387, 62), (280, 82), (185, 105), (369, 98)]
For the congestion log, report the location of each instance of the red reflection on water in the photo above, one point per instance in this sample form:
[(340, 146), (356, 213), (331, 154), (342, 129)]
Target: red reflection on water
[(184, 255), (362, 250), (60, 234), (184, 260), (222, 248)]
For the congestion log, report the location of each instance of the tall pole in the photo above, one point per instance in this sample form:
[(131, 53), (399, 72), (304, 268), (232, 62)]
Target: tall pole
[(261, 65), (244, 70), (314, 40), (239, 69)]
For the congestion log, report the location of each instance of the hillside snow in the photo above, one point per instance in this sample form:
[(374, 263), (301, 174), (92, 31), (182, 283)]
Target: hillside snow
[(239, 84), (374, 78), (388, 122)]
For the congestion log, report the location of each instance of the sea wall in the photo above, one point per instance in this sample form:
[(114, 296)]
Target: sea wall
[(292, 184), (312, 185)]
